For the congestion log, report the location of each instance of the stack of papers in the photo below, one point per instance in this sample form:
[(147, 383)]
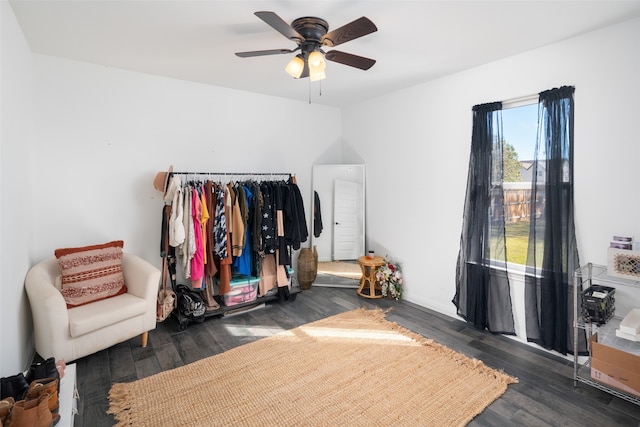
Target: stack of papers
[(630, 326)]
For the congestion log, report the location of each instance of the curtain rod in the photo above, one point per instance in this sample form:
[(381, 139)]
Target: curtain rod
[(520, 101)]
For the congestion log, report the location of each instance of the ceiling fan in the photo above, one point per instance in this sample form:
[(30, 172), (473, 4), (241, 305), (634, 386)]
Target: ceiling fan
[(312, 34)]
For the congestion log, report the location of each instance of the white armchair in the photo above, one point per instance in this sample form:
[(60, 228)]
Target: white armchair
[(70, 334)]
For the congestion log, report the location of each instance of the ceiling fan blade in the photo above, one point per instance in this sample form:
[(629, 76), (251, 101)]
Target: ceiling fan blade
[(263, 52), (358, 28), (350, 59), (280, 25)]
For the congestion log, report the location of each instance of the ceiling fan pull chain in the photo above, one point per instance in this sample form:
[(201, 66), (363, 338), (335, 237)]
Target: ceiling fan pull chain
[(309, 81)]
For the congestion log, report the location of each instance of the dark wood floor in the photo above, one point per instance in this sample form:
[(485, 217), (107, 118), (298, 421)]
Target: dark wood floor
[(544, 396)]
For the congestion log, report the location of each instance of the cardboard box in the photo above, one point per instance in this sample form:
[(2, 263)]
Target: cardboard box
[(615, 368)]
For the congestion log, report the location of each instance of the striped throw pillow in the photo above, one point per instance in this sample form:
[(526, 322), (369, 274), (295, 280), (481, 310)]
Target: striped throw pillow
[(91, 273)]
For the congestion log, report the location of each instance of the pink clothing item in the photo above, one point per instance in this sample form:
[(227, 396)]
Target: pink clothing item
[(197, 262), (204, 221)]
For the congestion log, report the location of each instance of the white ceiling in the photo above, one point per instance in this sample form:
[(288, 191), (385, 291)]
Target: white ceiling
[(416, 40)]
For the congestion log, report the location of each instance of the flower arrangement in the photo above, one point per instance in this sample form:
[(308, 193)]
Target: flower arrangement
[(389, 275)]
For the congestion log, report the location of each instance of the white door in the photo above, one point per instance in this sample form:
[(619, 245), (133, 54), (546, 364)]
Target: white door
[(346, 224)]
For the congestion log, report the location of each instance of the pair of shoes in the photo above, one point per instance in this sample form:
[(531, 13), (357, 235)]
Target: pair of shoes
[(31, 413), (6, 405), (17, 385), (14, 386), (46, 387), (40, 406)]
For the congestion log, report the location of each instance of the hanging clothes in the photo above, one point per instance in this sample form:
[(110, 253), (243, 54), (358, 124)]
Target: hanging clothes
[(297, 227), (255, 217), (268, 275), (237, 224), (176, 225), (197, 262), (220, 229), (225, 263), (188, 248), (242, 263), (282, 249), (268, 228), (204, 219), (212, 201), (317, 215), (166, 213)]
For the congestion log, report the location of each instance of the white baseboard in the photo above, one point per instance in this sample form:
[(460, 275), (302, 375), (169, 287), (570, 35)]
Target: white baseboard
[(447, 310), (334, 285)]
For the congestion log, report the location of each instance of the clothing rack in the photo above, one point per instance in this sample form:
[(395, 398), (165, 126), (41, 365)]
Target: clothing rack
[(279, 249)]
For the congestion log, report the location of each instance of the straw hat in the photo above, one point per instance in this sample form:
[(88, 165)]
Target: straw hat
[(161, 179)]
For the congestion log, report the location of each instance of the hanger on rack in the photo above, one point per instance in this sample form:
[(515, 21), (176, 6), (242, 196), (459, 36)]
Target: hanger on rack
[(234, 176)]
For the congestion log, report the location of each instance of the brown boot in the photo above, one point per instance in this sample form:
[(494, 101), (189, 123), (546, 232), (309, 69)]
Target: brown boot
[(49, 387), (31, 413), (5, 409)]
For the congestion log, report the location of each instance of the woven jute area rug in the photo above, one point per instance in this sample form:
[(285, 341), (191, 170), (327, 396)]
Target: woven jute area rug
[(352, 369)]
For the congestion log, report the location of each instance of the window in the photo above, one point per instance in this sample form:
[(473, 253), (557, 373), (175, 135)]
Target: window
[(520, 127), (483, 292)]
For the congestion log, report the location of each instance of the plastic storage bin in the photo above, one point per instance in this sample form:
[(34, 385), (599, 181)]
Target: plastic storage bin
[(243, 289), (598, 304)]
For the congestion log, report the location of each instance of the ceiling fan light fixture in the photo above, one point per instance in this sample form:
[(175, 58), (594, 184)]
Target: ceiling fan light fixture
[(314, 77), (295, 66), (316, 61)]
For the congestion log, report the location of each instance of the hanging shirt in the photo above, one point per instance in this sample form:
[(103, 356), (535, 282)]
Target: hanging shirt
[(176, 226), (197, 262), (317, 215), (268, 226), (255, 219), (237, 225), (220, 231), (242, 263), (210, 268), (188, 246), (297, 222), (204, 220), (225, 263)]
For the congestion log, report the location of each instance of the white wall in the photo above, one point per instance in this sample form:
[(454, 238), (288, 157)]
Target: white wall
[(421, 137), (16, 214), (103, 133)]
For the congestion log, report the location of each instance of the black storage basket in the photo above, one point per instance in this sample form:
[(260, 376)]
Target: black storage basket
[(598, 308)]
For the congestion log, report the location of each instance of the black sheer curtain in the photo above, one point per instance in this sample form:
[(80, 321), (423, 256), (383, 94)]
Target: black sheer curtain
[(483, 296), (552, 253)]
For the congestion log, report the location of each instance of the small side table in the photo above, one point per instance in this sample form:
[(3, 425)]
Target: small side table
[(368, 284)]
